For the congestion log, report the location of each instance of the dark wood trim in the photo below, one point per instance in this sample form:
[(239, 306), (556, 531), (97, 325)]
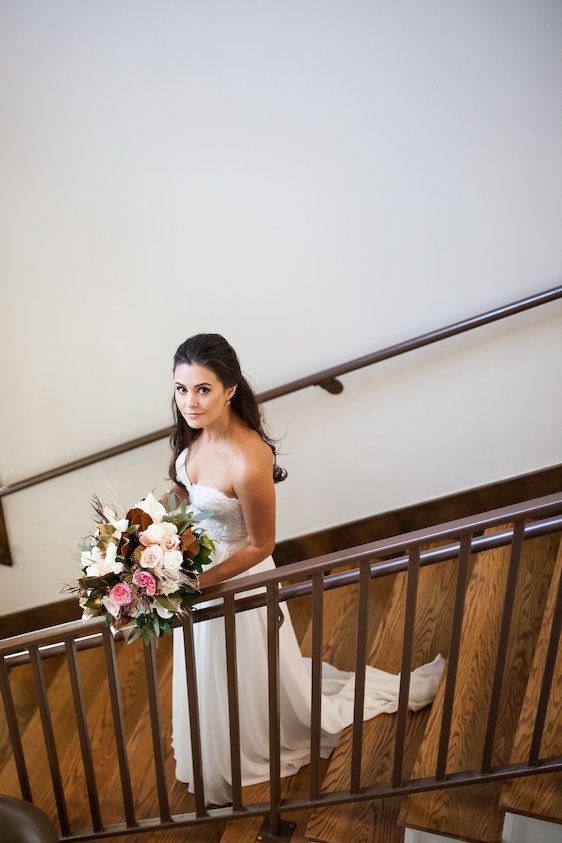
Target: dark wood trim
[(5, 555), (480, 499), (437, 511)]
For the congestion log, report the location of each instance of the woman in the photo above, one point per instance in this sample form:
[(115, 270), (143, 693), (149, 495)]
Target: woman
[(223, 458)]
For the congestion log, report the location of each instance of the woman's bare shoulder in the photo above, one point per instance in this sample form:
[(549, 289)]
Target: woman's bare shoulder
[(251, 448)]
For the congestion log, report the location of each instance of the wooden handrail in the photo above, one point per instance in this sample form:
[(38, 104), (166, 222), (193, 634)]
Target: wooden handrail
[(327, 379)]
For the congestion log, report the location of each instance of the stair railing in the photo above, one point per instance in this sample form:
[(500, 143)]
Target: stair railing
[(533, 518), (327, 379)]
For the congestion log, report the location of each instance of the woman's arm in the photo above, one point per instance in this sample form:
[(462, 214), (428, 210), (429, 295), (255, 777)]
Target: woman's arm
[(255, 490)]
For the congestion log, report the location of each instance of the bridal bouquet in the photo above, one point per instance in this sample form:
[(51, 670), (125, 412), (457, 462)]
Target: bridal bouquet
[(141, 568)]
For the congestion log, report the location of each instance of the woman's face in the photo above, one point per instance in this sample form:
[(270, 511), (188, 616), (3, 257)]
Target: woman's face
[(200, 396)]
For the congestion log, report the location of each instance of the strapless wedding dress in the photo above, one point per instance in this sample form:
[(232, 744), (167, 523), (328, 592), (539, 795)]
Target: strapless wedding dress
[(226, 527)]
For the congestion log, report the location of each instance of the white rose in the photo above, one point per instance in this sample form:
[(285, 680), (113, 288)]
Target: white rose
[(169, 527), (151, 556), (153, 534), (172, 561)]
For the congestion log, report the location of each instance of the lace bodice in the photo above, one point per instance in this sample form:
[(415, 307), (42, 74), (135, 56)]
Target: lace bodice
[(227, 523)]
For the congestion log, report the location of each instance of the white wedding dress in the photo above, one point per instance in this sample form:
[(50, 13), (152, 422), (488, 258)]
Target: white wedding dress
[(226, 527)]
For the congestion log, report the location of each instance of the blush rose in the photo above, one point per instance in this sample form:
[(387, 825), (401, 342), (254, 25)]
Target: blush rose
[(121, 594), (144, 579), (151, 556)]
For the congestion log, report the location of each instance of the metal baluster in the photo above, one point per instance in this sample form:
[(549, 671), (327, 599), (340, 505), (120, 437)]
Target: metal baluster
[(509, 599), (233, 707), (156, 727), (119, 725), (46, 722), (193, 702), (453, 660), (85, 746), (404, 693), (549, 665), (316, 690), (274, 705), (360, 670), (13, 728)]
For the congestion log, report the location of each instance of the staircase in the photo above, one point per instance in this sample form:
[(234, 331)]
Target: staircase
[(449, 811)]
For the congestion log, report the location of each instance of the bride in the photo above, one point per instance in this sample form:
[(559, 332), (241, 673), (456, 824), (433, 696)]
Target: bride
[(222, 459)]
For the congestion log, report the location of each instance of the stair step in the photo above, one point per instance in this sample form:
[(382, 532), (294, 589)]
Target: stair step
[(473, 813), (340, 620), (541, 795), (338, 648), (370, 821)]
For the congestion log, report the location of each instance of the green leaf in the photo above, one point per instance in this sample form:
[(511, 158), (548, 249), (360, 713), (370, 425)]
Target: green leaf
[(136, 634), (91, 582), (93, 601), (156, 623)]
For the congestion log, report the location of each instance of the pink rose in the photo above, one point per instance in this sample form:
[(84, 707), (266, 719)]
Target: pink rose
[(151, 556), (145, 580), (121, 594)]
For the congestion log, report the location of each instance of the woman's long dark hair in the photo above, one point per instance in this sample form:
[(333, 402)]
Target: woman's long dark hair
[(214, 352)]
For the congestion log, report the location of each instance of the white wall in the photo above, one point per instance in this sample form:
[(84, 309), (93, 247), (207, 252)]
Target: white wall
[(314, 180)]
